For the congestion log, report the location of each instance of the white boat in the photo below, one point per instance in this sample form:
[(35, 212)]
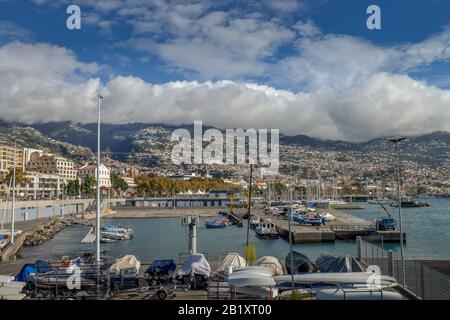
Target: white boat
[(271, 263), (255, 282), (10, 289), (328, 216), (230, 263), (113, 235), (357, 293), (266, 229), (125, 267)]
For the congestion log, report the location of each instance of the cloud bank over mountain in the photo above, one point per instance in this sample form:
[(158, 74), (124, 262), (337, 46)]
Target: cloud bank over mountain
[(345, 87)]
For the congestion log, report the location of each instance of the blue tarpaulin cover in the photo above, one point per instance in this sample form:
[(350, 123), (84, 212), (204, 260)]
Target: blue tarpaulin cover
[(162, 267), (40, 266)]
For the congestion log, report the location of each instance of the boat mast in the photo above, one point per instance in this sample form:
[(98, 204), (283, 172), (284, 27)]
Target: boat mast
[(290, 236), (97, 227), (14, 193), (402, 254), (6, 203)]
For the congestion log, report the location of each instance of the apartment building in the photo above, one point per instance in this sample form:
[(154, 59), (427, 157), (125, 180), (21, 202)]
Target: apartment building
[(51, 164), (7, 158)]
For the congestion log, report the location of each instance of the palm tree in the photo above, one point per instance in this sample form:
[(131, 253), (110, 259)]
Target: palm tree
[(20, 176)]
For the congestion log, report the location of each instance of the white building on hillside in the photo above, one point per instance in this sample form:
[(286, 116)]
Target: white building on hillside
[(91, 170)]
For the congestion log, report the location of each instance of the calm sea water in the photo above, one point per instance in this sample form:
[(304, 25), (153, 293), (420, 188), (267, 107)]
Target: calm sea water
[(427, 230)]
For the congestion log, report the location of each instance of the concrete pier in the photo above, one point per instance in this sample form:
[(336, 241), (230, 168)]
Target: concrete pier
[(344, 227)]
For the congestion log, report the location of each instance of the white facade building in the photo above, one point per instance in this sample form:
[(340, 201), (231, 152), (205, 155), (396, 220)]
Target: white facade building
[(91, 170)]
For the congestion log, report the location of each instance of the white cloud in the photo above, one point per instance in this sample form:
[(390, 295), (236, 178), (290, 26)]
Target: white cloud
[(337, 62), (215, 44), (61, 88)]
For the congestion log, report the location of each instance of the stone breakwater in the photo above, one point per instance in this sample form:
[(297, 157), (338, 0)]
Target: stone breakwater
[(39, 234)]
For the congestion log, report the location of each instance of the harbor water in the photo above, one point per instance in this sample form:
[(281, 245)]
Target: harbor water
[(427, 232)]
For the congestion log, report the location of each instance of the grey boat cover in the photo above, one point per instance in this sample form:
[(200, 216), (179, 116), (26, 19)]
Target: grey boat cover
[(196, 265), (348, 263), (302, 263)]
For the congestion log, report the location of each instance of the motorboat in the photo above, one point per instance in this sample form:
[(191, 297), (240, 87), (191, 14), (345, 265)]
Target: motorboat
[(107, 240), (160, 271), (266, 229), (118, 232), (230, 263), (110, 233), (271, 263), (311, 219), (254, 282), (215, 224), (125, 267), (195, 271), (300, 263)]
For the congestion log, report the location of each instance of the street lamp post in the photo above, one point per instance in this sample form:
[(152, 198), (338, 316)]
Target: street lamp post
[(97, 226), (396, 141), (14, 193)]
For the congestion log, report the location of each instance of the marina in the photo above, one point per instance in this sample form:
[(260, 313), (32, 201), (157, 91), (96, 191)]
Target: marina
[(162, 238)]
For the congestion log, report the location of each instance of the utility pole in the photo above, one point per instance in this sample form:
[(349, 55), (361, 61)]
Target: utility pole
[(396, 141)]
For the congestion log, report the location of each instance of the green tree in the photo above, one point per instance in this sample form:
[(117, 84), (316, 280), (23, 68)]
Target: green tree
[(118, 184), (73, 188), (87, 187)]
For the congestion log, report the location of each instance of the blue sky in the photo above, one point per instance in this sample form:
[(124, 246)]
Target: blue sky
[(314, 58)]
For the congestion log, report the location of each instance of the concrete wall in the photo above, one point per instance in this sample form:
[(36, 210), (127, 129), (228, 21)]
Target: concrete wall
[(29, 210)]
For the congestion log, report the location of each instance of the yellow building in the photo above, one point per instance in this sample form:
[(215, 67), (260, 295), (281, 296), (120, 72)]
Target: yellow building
[(7, 158)]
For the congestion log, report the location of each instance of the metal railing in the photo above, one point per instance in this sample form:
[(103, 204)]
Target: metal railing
[(420, 280), (347, 227)]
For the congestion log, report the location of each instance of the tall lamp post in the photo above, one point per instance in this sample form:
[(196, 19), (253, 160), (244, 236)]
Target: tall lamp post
[(396, 141), (97, 225)]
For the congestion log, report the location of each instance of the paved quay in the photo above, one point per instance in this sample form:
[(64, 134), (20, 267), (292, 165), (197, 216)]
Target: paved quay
[(145, 213)]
